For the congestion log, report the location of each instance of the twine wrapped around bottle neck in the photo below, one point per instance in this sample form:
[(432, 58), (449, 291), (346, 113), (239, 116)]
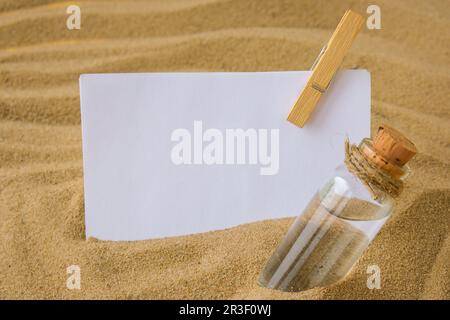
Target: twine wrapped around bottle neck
[(372, 177)]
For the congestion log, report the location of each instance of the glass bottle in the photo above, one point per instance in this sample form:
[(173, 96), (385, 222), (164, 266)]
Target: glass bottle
[(340, 221)]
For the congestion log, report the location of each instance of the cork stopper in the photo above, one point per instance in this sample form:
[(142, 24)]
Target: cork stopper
[(393, 146)]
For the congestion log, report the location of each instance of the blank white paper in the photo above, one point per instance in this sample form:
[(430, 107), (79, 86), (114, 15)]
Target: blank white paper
[(134, 190)]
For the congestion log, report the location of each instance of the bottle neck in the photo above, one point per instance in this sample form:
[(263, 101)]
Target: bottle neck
[(380, 162)]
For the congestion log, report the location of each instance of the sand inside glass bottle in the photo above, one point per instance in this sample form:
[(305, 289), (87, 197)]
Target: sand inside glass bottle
[(319, 249)]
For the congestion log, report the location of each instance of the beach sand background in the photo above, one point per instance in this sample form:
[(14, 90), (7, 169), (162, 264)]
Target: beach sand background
[(41, 173)]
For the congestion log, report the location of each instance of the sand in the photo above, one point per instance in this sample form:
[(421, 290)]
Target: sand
[(41, 174)]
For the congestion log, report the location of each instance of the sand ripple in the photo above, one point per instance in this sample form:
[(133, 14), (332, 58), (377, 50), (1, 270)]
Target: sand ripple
[(41, 184)]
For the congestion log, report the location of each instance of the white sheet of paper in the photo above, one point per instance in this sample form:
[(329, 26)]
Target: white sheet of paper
[(133, 189)]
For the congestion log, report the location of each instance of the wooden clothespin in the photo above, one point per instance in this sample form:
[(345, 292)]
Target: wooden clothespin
[(325, 66)]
